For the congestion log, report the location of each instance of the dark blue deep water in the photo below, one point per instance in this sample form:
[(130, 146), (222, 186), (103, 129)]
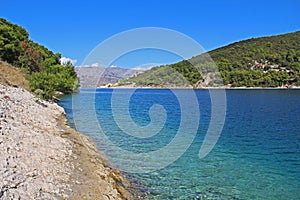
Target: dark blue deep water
[(256, 157)]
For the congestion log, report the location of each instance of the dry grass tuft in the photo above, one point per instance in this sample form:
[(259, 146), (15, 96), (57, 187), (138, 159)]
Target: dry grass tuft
[(12, 76)]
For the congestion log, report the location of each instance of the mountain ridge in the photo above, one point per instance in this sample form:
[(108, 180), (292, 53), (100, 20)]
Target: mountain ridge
[(92, 77)]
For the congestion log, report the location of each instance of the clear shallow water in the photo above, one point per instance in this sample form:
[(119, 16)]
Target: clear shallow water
[(256, 157)]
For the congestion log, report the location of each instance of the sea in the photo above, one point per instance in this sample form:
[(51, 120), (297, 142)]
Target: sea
[(252, 149)]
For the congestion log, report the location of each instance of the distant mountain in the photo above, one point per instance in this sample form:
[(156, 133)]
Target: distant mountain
[(258, 62), (92, 77)]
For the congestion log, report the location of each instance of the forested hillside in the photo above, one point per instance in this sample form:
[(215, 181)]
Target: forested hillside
[(41, 66), (260, 62)]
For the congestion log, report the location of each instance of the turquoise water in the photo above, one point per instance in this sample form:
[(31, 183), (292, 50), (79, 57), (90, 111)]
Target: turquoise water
[(256, 157)]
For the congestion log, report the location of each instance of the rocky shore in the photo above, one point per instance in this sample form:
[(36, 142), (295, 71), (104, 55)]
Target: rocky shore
[(42, 158)]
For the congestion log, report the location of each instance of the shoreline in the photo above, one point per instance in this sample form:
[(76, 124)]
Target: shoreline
[(41, 157), (203, 88), (94, 178), (90, 158)]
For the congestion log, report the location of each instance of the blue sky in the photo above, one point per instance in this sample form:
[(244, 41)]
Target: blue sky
[(74, 28)]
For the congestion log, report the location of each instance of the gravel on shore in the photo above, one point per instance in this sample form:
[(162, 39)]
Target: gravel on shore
[(42, 158)]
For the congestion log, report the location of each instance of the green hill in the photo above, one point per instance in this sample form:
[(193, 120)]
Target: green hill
[(42, 67), (259, 62)]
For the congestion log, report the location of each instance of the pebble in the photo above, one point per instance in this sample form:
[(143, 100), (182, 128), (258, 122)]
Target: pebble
[(36, 162), (26, 145)]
